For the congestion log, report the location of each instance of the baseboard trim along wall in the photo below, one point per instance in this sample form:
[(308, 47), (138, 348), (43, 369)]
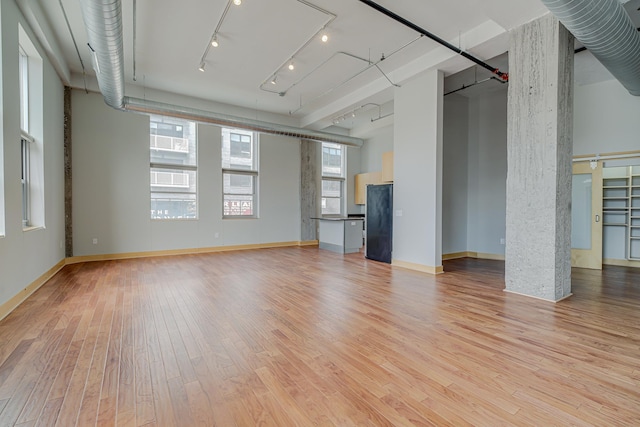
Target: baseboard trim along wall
[(417, 267), (538, 298), (191, 251), (20, 297), (478, 255), (621, 262)]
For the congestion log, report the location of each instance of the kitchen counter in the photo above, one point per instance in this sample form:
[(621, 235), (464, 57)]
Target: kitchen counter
[(340, 234)]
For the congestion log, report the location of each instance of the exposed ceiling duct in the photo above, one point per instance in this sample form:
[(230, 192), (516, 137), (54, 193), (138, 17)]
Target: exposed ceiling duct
[(604, 27), (103, 22), (152, 107)]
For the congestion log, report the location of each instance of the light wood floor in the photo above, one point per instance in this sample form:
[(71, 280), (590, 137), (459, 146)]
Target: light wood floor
[(299, 336)]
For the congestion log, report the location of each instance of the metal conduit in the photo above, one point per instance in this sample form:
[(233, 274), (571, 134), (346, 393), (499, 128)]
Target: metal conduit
[(103, 22), (604, 27)]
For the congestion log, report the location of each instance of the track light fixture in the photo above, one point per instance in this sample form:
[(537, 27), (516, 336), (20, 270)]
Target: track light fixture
[(201, 67), (214, 41), (291, 66), (237, 2), (324, 38), (273, 80), (352, 114)]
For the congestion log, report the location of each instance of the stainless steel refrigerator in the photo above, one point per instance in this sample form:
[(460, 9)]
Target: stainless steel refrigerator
[(379, 222)]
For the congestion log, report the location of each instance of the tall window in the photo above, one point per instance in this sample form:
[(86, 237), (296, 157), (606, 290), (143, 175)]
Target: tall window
[(174, 164), (30, 82), (25, 138), (239, 173), (333, 172)]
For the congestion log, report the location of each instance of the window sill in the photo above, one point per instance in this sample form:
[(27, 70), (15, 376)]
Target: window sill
[(239, 217), (174, 219), (32, 228)]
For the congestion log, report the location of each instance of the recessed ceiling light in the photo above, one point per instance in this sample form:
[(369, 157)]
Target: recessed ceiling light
[(291, 66), (201, 67), (273, 81), (324, 38), (237, 2), (214, 42)]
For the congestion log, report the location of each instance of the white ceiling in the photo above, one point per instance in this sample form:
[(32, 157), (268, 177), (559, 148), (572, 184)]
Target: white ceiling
[(259, 36)]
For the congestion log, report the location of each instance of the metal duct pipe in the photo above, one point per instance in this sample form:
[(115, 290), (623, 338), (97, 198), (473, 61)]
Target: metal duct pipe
[(103, 21), (152, 107), (604, 28)]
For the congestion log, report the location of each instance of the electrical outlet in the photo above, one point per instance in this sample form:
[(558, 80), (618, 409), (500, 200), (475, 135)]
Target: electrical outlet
[(95, 241), (216, 235)]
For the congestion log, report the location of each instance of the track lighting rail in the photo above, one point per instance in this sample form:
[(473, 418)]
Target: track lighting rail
[(284, 92), (331, 17), (371, 64)]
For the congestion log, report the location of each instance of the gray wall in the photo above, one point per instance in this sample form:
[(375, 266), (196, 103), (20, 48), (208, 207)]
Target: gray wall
[(371, 151), (487, 172), (111, 188), (455, 174), (24, 256), (606, 119)]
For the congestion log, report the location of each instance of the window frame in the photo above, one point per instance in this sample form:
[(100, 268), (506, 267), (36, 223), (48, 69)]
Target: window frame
[(253, 171), (169, 167), (25, 178), (332, 177)]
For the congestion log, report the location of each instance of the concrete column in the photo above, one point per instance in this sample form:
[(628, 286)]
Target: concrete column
[(308, 189), (539, 151), (417, 189)]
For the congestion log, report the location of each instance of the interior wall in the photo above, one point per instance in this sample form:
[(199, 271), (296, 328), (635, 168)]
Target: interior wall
[(455, 174), (111, 188), (605, 119), (487, 173), (26, 255), (371, 151), (353, 168)]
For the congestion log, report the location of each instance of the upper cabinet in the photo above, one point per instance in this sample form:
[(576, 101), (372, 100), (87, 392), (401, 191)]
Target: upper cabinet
[(361, 182), (373, 178), (387, 166)]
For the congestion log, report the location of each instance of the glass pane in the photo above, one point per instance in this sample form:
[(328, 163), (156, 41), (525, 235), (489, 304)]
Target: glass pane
[(172, 180), (236, 205), (173, 206), (237, 183), (332, 160), (581, 212), (238, 149), (330, 206), (331, 188), (172, 141)]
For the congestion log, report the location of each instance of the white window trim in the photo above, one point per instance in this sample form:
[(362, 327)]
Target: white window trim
[(255, 173), (341, 179), (170, 168)]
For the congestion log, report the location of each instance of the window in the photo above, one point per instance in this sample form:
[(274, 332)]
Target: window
[(239, 173), (23, 77), (24, 179), (333, 161), (173, 168), (30, 82)]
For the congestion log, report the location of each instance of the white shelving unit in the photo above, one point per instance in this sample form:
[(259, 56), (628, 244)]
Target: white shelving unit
[(633, 247), (621, 205)]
